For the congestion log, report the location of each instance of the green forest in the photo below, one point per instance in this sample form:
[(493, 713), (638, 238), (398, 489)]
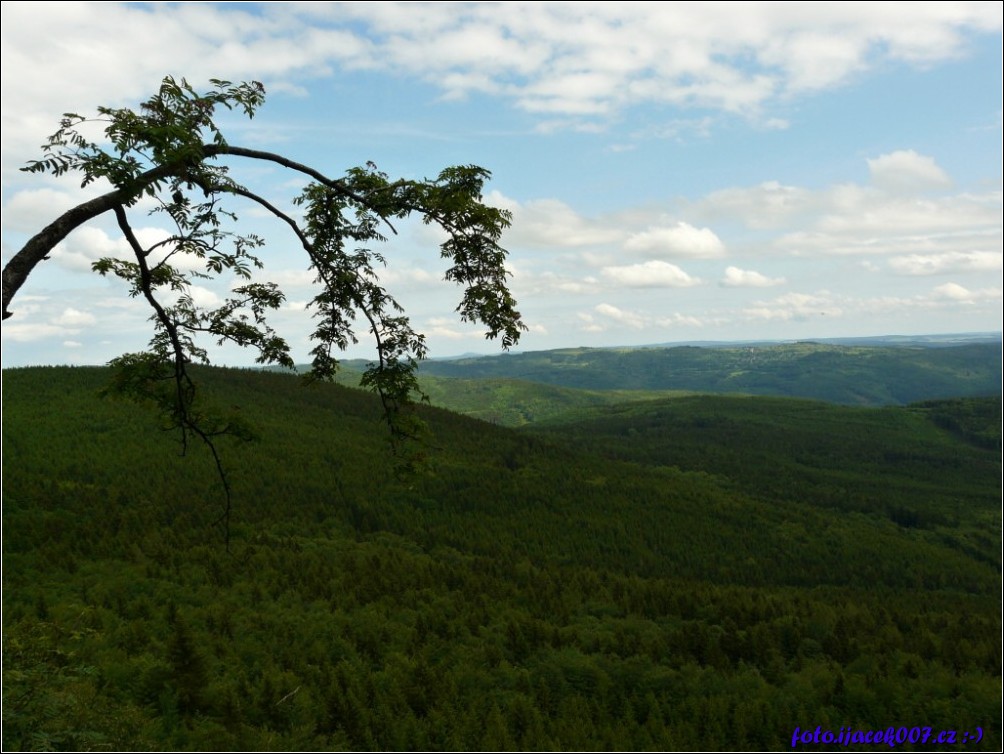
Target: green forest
[(621, 571), (877, 374)]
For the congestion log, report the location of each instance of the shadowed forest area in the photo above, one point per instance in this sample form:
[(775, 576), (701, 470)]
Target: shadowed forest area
[(676, 571)]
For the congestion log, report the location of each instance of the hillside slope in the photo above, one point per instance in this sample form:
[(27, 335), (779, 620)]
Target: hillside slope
[(518, 592)]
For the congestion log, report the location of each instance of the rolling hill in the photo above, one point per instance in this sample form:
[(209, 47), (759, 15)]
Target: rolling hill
[(696, 572), (865, 375)]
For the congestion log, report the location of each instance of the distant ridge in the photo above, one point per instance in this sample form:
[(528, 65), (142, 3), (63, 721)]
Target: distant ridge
[(887, 370), (936, 339)]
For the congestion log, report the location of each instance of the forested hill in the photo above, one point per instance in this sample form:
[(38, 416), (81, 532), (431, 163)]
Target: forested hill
[(567, 588), (867, 375)]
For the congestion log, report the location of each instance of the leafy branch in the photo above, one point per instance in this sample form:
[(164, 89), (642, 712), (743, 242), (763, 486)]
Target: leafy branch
[(171, 150)]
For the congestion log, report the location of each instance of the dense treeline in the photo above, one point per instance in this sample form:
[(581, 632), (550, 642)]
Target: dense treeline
[(862, 375), (925, 466), (516, 592)]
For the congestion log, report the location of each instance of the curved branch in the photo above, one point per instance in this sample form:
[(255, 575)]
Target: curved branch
[(248, 194), (211, 150), (16, 271), (21, 265)]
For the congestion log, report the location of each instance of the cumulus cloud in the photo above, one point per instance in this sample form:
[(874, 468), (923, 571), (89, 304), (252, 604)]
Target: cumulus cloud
[(905, 171), (768, 205), (621, 316), (738, 278), (855, 220), (652, 274), (73, 318), (947, 262), (679, 129), (35, 208), (960, 294), (795, 306), (548, 283), (953, 291), (616, 315), (551, 223), (87, 244), (40, 318), (554, 224), (816, 59), (27, 332), (848, 218), (557, 59), (449, 329), (679, 240), (571, 67)]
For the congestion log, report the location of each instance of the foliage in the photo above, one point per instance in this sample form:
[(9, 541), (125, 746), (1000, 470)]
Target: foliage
[(511, 402), (171, 154), (817, 454), (524, 591)]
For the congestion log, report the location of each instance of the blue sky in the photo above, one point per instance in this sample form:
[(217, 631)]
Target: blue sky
[(677, 171)]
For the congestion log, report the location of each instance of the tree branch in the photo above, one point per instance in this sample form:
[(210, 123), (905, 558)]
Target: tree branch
[(184, 387), (21, 265)]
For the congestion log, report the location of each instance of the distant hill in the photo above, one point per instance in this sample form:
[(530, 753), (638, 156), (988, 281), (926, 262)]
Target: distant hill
[(514, 403), (863, 375)]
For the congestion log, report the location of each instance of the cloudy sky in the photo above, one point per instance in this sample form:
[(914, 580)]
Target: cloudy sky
[(677, 171)]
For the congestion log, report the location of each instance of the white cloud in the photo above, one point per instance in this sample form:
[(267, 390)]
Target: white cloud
[(449, 329), (26, 332), (408, 276), (738, 278), (74, 319), (635, 320), (953, 291), (905, 171), (775, 124), (287, 279), (845, 219), (795, 306), (623, 317), (29, 327), (679, 129), (553, 224), (769, 205), (548, 283), (85, 246), (31, 210), (816, 59), (550, 223), (89, 243), (947, 262), (680, 240), (652, 274), (567, 59), (203, 297), (858, 210), (854, 220), (961, 294)]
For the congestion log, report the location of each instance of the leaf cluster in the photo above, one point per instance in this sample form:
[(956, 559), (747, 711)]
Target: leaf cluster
[(171, 152)]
